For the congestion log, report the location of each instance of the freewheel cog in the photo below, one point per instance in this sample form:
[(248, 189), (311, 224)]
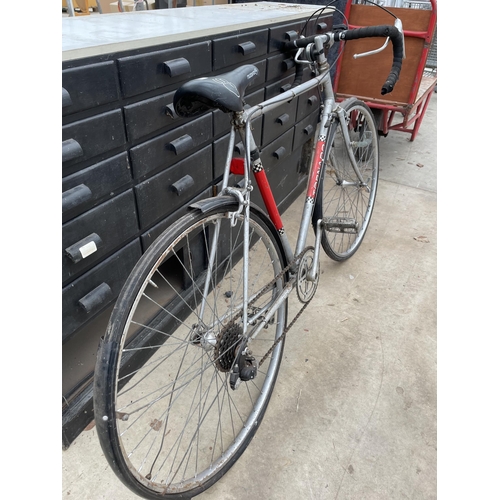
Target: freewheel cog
[(225, 349)]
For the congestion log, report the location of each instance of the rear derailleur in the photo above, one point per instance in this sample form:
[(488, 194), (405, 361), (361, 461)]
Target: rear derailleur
[(244, 367)]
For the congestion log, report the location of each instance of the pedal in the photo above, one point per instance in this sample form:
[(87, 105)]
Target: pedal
[(340, 225)]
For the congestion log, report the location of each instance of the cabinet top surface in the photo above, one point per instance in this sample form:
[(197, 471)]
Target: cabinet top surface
[(88, 36)]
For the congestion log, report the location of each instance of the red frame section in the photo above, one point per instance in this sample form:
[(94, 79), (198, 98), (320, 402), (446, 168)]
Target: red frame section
[(238, 165)]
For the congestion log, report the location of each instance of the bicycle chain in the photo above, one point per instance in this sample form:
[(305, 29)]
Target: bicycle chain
[(282, 336), (297, 316)]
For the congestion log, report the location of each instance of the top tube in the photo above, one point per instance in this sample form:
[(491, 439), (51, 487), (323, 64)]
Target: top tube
[(274, 102)]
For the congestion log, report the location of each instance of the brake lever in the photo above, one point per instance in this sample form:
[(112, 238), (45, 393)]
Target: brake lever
[(399, 25)]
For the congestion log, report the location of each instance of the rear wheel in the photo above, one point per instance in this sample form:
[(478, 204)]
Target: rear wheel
[(345, 203), (168, 419)]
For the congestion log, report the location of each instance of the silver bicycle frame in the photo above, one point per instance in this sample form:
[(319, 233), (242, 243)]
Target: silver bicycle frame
[(329, 111)]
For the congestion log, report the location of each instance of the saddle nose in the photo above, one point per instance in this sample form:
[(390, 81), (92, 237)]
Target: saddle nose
[(224, 92)]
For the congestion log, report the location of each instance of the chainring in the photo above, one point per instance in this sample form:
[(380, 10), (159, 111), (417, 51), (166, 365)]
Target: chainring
[(305, 288)]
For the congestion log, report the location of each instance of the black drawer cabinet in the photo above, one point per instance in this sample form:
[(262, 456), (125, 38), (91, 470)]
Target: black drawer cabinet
[(131, 167)]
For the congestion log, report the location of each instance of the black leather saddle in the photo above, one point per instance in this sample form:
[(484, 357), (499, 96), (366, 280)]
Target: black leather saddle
[(224, 92)]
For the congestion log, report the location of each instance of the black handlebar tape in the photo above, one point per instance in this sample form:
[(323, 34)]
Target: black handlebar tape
[(380, 31), (299, 72)]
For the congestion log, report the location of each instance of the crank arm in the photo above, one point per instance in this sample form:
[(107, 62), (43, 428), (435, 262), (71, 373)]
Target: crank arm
[(311, 276)]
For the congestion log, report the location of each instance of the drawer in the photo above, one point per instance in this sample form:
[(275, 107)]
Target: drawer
[(308, 103), (169, 148), (276, 151), (304, 130), (88, 295), (324, 24), (91, 236), (281, 65), (163, 68), (149, 236), (165, 192), (292, 31), (281, 165), (279, 120), (89, 86), (239, 49), (91, 137), (283, 33), (222, 121), (86, 188), (150, 115)]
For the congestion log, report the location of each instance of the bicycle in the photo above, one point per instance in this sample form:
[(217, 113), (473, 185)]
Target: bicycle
[(186, 369)]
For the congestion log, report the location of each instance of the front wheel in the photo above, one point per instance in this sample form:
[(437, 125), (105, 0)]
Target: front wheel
[(345, 202), (168, 416)]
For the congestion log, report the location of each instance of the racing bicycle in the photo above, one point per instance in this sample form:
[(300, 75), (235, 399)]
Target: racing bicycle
[(186, 368)]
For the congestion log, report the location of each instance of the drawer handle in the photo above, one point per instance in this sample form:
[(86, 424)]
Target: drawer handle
[(177, 67), (309, 130), (170, 111), (291, 35), (183, 184), (66, 98), (280, 152), (75, 196), (283, 118), (71, 150), (181, 145), (246, 48), (239, 148), (96, 298), (83, 248), (322, 26), (285, 87), (287, 64), (312, 100)]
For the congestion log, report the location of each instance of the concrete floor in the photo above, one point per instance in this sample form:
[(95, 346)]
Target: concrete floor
[(353, 415)]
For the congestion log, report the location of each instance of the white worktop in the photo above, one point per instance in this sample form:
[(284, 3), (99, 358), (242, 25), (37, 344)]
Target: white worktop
[(86, 36)]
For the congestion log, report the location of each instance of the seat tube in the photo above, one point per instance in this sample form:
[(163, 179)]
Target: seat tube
[(253, 159)]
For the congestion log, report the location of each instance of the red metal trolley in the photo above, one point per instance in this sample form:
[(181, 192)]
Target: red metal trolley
[(360, 77)]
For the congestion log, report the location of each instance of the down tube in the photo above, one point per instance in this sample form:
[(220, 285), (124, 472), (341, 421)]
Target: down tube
[(322, 144)]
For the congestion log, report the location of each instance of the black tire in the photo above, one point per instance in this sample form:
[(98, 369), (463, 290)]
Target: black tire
[(164, 411), (344, 203)]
